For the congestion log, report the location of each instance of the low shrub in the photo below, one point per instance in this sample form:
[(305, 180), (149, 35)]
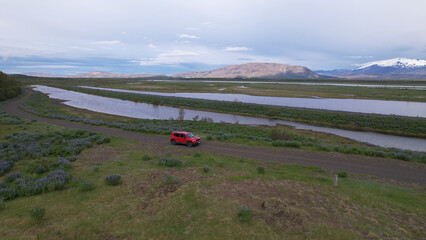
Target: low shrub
[(342, 174), (260, 170), (280, 143), (114, 179), (5, 167), (221, 163), (197, 154), (209, 137), (146, 157), (12, 177), (63, 163), (103, 140), (40, 166), (174, 162), (86, 186), (245, 213), (206, 169), (37, 214), (96, 168), (171, 180), (71, 158), (27, 186), (2, 205), (82, 184)]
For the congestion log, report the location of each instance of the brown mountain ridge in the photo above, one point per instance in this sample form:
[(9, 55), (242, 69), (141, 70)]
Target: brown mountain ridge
[(254, 70)]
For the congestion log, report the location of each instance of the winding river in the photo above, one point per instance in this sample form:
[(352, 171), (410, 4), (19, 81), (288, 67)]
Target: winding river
[(150, 111), (401, 108)]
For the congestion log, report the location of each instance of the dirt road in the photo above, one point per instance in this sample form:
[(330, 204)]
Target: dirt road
[(384, 168)]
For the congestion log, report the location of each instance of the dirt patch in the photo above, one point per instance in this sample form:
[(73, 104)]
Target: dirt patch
[(100, 154), (280, 203), (153, 188), (295, 205)]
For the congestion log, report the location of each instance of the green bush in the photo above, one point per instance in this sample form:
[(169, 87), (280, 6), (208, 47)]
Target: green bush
[(342, 174), (245, 213), (171, 180), (37, 214), (40, 166), (146, 157), (260, 170), (9, 87), (174, 162), (114, 179)]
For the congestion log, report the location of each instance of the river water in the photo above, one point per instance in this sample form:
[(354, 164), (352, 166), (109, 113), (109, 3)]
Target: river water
[(413, 87), (401, 108), (150, 111)]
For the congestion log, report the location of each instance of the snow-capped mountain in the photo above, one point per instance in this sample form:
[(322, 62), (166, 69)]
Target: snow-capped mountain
[(396, 63), (396, 68)]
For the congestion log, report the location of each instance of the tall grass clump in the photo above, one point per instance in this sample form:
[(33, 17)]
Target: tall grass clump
[(174, 162), (245, 213), (261, 170), (170, 180), (2, 205), (37, 214), (342, 174)]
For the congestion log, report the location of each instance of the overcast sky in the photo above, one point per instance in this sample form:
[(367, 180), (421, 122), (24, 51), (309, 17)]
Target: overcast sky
[(169, 36)]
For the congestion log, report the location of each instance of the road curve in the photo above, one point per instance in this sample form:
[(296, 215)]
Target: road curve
[(380, 167)]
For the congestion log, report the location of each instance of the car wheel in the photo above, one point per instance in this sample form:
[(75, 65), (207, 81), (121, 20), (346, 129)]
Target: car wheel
[(189, 144), (173, 142)]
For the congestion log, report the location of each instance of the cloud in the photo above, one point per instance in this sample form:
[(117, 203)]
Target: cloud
[(112, 42), (47, 66), (234, 49), (82, 48), (170, 58), (178, 53), (151, 46), (188, 36), (358, 57)]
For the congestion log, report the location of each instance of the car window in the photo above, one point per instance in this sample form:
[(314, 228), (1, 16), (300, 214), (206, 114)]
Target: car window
[(190, 135), (176, 135)]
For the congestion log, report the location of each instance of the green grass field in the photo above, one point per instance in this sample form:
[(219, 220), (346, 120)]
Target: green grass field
[(277, 90), (278, 136), (288, 201)]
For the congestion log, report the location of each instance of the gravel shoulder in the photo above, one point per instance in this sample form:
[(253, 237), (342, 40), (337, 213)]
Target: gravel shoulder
[(380, 167)]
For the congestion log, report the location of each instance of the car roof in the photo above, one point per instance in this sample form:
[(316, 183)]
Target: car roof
[(182, 132)]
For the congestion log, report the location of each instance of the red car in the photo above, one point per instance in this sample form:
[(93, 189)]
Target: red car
[(186, 138)]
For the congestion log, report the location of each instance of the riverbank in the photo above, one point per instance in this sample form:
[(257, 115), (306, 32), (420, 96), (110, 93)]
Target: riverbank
[(402, 126)]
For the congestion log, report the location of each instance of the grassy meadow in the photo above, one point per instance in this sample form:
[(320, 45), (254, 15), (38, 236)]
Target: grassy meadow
[(278, 136), (185, 194), (57, 183)]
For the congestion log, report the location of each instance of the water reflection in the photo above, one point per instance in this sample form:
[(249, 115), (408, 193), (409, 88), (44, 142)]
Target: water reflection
[(401, 108), (150, 111)]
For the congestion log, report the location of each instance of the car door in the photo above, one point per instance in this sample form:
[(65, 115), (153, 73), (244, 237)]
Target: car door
[(182, 138), (179, 138)]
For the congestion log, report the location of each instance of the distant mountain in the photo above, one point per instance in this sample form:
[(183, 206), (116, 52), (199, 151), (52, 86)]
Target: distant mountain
[(113, 75), (396, 68), (97, 75), (38, 74), (254, 70)]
